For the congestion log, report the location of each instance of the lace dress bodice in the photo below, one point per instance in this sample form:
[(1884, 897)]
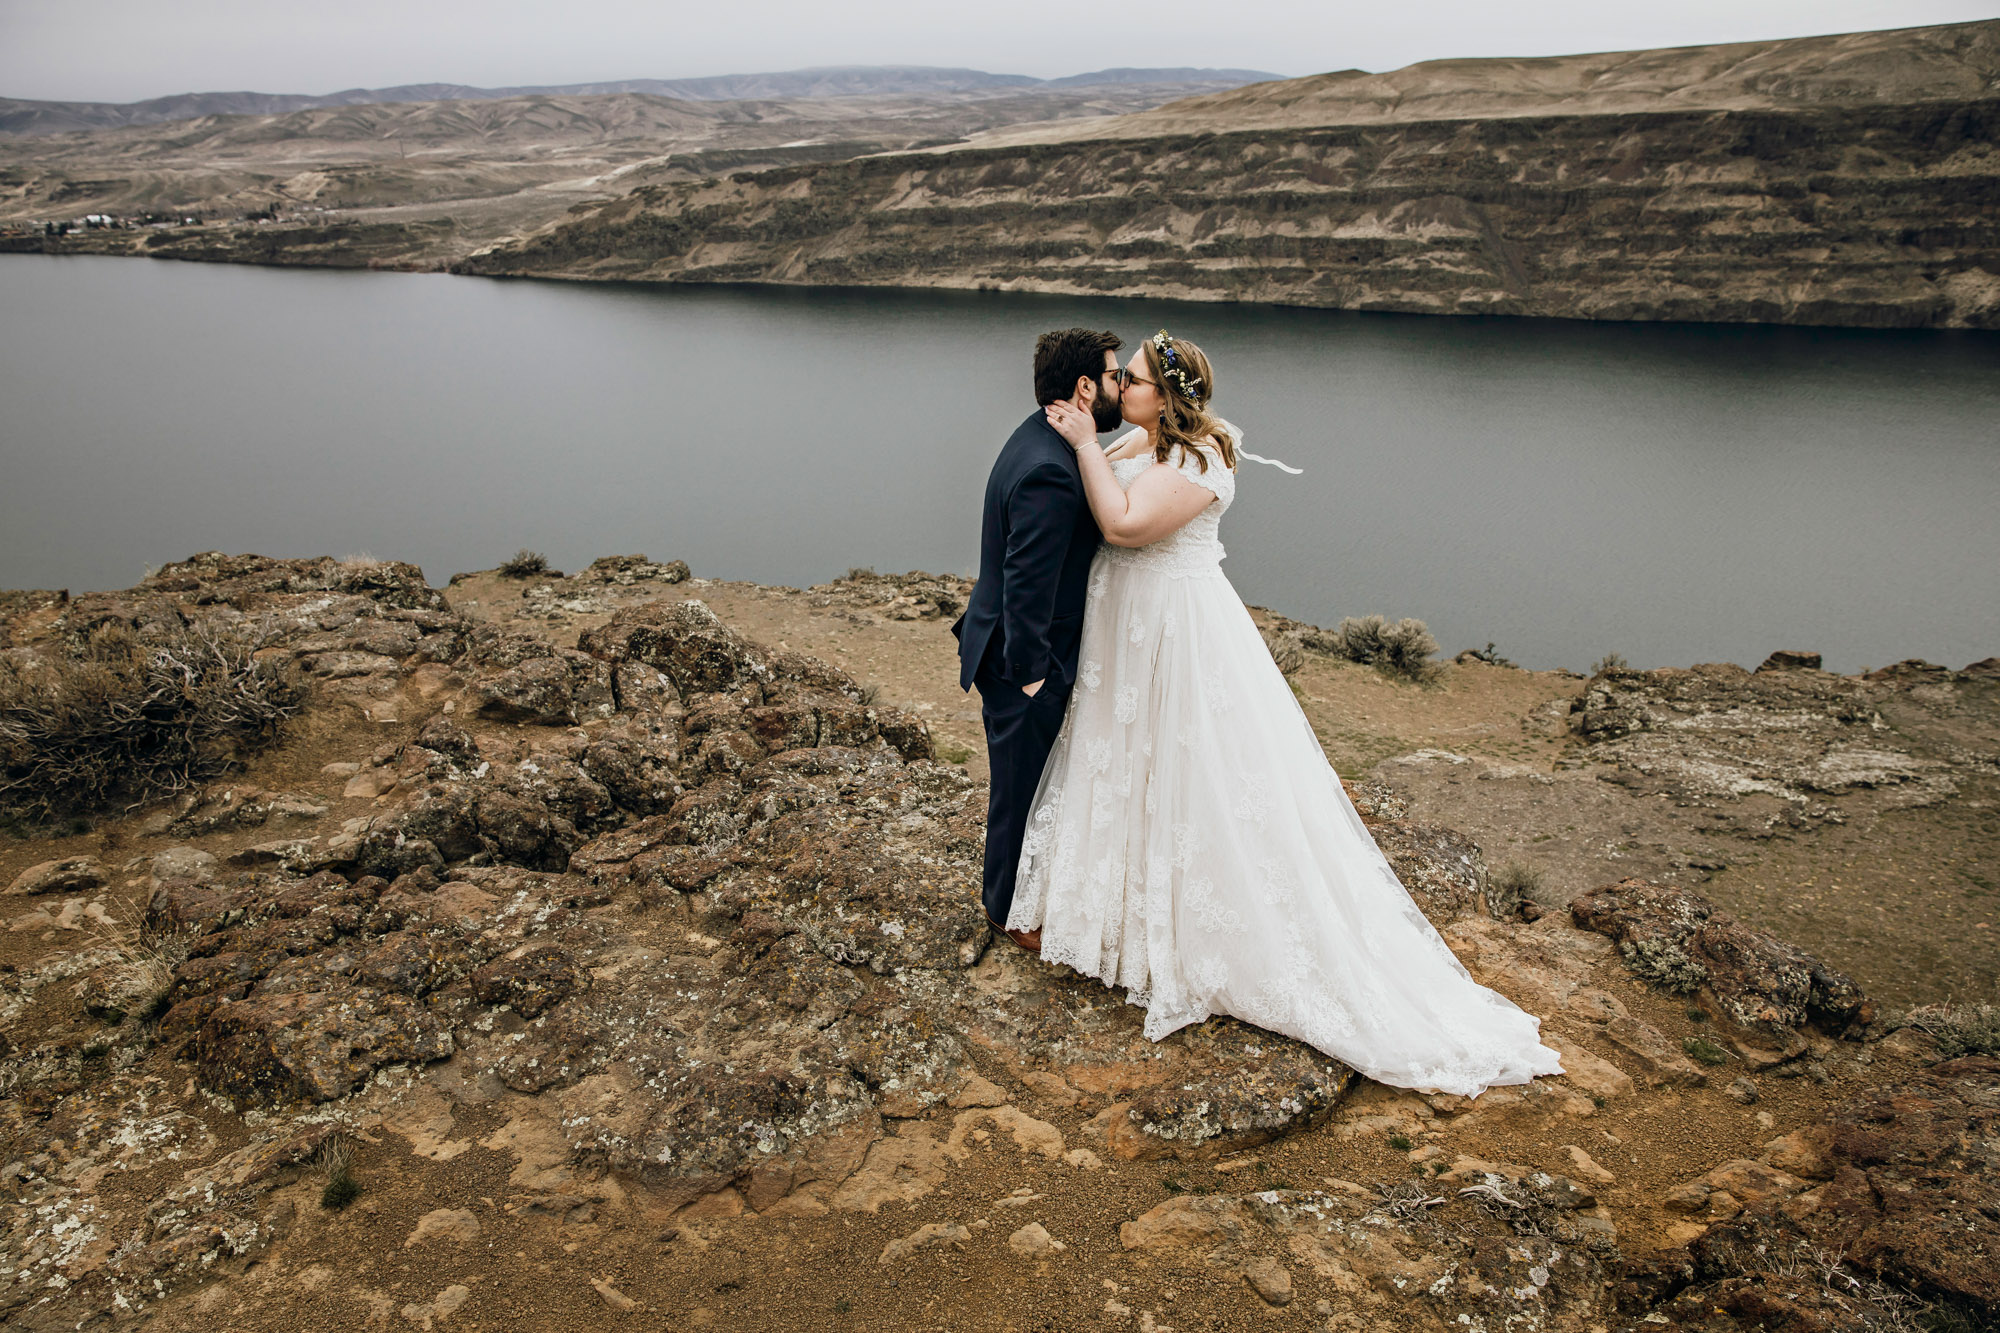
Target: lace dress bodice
[(1195, 549)]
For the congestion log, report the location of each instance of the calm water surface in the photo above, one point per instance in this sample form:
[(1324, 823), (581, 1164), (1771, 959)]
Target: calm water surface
[(1675, 493)]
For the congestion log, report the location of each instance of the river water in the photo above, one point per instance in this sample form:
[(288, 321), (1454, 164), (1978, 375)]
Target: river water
[(1673, 493)]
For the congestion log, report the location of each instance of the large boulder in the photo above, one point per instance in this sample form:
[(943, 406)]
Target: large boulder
[(1767, 989), (1897, 1207), (559, 690), (1807, 737), (685, 640)]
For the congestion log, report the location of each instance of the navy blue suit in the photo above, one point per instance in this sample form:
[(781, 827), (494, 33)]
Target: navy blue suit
[(1024, 623)]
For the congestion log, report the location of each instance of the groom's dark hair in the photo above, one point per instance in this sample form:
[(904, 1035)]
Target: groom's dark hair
[(1064, 356)]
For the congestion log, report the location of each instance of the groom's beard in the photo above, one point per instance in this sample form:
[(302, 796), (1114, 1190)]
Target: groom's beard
[(1104, 413)]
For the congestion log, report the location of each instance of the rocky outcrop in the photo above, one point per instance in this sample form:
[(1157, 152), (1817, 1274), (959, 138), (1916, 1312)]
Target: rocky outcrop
[(1888, 1211), (1767, 991), (1873, 215), (713, 950), (1488, 1248), (1822, 744), (792, 889), (912, 596)]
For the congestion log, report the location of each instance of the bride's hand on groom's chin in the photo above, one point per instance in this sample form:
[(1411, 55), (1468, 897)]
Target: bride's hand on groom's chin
[(1076, 428)]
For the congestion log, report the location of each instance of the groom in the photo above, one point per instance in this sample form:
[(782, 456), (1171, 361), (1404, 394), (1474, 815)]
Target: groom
[(1018, 638)]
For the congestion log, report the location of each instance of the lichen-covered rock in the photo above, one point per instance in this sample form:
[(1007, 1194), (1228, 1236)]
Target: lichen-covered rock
[(685, 640), (637, 758), (530, 979), (558, 690), (1716, 732), (70, 874), (1442, 868), (1487, 1255), (1245, 1089), (243, 579), (312, 1045), (876, 878), (906, 733), (526, 813), (639, 688), (1915, 1189), (1905, 1218), (1767, 988), (630, 569), (304, 987)]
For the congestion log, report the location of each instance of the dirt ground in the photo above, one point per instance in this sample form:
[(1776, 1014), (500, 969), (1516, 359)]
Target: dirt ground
[(1905, 905), (796, 1274)]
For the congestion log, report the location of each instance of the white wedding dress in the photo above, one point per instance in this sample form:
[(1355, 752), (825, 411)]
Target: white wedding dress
[(1190, 842)]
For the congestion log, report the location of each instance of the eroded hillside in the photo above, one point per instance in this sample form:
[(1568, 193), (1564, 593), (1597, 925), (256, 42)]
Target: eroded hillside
[(1883, 216), (416, 183), (1843, 180)]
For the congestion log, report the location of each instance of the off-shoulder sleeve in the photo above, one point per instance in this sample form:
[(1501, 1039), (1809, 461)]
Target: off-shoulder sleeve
[(1217, 478)]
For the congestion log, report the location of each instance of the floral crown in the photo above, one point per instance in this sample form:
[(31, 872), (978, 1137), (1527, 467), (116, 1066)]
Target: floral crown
[(1170, 364)]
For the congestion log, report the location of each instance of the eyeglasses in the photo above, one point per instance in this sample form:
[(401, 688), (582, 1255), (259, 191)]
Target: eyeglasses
[(1126, 379)]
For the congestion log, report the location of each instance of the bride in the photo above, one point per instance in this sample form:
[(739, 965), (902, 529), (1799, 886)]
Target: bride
[(1188, 840)]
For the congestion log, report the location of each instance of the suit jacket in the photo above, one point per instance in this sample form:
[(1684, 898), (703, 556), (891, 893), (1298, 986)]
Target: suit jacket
[(1035, 545)]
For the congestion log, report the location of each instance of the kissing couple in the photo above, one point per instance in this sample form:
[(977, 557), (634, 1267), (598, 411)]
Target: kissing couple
[(1161, 816)]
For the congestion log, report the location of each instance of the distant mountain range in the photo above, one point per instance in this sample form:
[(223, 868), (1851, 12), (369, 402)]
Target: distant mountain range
[(20, 116)]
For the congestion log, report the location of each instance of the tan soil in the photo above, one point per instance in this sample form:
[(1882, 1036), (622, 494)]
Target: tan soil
[(705, 1267)]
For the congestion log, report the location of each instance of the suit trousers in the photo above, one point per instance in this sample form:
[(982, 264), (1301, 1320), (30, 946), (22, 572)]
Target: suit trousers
[(1020, 731)]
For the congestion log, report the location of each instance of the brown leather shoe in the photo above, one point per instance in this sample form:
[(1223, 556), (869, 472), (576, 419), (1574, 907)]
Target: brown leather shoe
[(1031, 940)]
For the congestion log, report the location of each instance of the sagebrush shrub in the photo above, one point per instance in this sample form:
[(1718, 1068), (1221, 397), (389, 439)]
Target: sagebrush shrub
[(1397, 648), (1511, 886), (525, 564), (1287, 650), (131, 715), (1958, 1029)]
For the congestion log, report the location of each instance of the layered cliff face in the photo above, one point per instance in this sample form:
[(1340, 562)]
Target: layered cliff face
[(1948, 62), (1875, 215)]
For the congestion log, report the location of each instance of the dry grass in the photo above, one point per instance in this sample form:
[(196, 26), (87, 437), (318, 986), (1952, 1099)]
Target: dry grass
[(127, 716), (136, 984), (1512, 886), (1286, 650), (1957, 1029), (335, 1163), (1874, 1305)]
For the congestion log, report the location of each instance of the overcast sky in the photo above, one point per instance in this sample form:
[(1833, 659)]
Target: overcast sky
[(128, 50)]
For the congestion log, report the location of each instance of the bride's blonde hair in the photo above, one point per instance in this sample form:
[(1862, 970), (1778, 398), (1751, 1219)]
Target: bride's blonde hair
[(1187, 383)]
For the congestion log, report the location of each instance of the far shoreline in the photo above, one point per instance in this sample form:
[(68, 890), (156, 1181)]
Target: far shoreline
[(947, 291)]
